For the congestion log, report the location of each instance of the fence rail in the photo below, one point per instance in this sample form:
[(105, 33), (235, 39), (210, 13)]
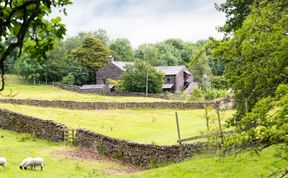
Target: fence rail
[(204, 136)]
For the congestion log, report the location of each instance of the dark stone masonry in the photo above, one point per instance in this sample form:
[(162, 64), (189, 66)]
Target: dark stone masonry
[(44, 129), (107, 105), (102, 105), (135, 153), (106, 91)]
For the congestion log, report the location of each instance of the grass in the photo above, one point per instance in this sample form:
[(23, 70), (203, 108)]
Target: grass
[(49, 92), (155, 126), (214, 166), (15, 147)]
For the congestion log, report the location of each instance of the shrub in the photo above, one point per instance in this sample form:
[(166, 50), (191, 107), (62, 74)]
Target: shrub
[(69, 79), (219, 82), (135, 76), (197, 93), (211, 93)]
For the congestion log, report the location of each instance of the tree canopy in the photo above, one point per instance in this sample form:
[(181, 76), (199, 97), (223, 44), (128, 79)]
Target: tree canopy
[(236, 13), (256, 57), (24, 23), (92, 53), (122, 50), (257, 69)]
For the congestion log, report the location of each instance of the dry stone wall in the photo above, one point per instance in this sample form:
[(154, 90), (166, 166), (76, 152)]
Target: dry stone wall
[(103, 105), (78, 89), (44, 129), (106, 91), (135, 153), (110, 105)]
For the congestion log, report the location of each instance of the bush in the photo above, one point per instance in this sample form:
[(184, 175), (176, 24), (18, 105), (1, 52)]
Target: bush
[(211, 93), (197, 93), (135, 76), (69, 79), (219, 82)]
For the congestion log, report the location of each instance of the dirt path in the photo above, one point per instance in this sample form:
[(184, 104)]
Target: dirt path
[(90, 155)]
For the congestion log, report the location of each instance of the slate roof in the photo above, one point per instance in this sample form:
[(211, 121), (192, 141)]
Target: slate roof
[(167, 86), (172, 70), (86, 87), (167, 70), (121, 64)]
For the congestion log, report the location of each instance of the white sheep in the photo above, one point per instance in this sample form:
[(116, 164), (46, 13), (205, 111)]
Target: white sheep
[(24, 162), (3, 162), (35, 162)]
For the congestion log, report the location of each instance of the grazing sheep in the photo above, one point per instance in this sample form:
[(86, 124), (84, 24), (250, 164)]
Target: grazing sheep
[(35, 162), (24, 162), (3, 162)]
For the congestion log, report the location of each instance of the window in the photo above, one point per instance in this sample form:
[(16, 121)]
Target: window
[(104, 81), (168, 80)]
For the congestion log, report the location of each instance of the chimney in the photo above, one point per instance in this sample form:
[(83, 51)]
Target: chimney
[(110, 59)]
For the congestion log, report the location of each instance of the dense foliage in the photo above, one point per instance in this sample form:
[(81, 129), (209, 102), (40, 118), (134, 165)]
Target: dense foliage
[(135, 78), (256, 57), (200, 69), (257, 69), (236, 12), (24, 23), (168, 52), (122, 50)]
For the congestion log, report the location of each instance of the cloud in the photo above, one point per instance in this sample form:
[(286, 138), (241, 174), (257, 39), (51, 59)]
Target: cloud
[(146, 21)]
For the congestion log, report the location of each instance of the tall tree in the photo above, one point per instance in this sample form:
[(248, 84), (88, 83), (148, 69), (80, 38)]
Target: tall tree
[(92, 54), (200, 68), (122, 50), (148, 53), (29, 68), (24, 22), (75, 41)]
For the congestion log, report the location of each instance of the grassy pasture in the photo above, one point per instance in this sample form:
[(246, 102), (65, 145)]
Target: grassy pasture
[(139, 125), (15, 147), (49, 92), (244, 165)]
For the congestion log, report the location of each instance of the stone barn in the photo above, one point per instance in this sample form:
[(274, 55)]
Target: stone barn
[(177, 78)]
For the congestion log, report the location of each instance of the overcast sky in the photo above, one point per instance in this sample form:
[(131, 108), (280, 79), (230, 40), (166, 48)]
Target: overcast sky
[(146, 21)]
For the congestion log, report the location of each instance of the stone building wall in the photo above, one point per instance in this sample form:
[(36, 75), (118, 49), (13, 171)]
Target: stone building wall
[(109, 71), (179, 84), (135, 153), (44, 129)]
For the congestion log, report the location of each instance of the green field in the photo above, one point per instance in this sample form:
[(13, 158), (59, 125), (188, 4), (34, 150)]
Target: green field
[(49, 92), (139, 125), (243, 165), (15, 147)]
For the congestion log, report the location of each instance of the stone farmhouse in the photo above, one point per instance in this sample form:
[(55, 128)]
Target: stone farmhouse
[(177, 78)]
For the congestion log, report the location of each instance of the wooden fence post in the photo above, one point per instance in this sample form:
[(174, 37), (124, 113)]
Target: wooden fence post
[(206, 116), (219, 121), (73, 136), (179, 136)]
